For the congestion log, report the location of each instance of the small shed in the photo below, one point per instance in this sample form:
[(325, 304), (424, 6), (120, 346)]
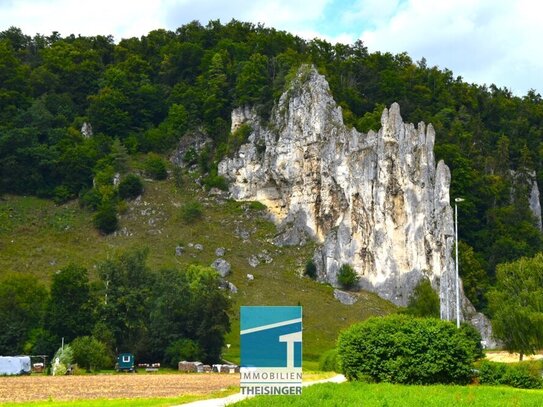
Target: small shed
[(125, 363)]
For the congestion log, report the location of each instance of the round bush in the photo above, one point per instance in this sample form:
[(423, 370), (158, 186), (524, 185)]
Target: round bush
[(130, 187), (90, 199), (347, 277), (408, 350), (155, 167), (89, 353), (106, 220), (310, 269), (191, 211)]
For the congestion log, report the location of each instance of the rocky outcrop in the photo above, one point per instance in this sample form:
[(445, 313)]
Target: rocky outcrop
[(376, 201)]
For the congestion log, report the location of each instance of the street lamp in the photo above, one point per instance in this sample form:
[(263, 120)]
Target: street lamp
[(456, 201)]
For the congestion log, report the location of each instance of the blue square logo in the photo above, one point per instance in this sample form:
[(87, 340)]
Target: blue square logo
[(271, 350)]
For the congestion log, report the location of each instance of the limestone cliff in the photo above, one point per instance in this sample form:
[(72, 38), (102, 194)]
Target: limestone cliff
[(377, 201)]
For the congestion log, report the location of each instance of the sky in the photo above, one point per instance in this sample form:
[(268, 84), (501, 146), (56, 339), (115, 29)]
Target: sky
[(483, 41)]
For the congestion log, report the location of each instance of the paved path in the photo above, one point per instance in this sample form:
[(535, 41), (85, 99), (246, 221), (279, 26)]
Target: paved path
[(234, 398)]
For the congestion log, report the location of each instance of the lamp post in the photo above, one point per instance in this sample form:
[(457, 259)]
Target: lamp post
[(456, 201)]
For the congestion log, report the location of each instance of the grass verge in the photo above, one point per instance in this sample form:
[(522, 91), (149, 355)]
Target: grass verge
[(384, 394)]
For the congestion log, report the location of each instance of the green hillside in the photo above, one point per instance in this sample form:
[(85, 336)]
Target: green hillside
[(39, 238)]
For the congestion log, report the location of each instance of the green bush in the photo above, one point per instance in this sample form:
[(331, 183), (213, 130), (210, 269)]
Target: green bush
[(474, 336), (61, 195), (524, 375), (106, 220), (424, 301), (328, 362), (130, 187), (182, 349), (310, 269), (89, 353), (191, 211), (215, 181), (90, 199), (407, 350), (155, 167), (347, 277)]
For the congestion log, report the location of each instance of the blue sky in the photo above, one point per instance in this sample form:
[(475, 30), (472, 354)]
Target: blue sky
[(484, 41)]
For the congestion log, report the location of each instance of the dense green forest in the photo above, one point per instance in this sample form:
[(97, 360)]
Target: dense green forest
[(143, 95)]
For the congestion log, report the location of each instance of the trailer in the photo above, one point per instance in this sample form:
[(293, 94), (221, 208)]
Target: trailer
[(14, 365), (125, 363)]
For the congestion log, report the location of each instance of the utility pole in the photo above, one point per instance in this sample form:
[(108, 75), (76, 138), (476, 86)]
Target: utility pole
[(456, 201)]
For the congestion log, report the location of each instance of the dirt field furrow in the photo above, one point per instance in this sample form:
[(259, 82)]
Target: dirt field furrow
[(28, 388)]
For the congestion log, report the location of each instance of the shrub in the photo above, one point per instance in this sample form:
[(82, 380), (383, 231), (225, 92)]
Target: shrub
[(407, 350), (182, 349), (89, 353), (130, 187), (424, 301), (212, 180), (525, 375), (90, 199), (328, 362), (178, 176), (474, 336), (347, 277), (61, 195), (105, 219), (310, 269), (191, 211), (155, 167)]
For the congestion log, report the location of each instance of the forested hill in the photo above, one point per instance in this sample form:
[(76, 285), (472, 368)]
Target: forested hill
[(149, 92)]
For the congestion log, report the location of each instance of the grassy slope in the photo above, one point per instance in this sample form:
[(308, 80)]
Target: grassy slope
[(384, 394), (39, 237)]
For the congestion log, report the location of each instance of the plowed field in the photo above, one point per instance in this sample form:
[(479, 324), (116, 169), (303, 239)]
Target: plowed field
[(28, 388)]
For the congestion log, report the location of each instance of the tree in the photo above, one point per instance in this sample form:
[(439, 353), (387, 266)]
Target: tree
[(424, 301), (70, 308), (191, 306), (22, 305), (347, 277), (130, 187), (127, 292), (106, 220), (89, 353), (516, 305), (155, 167)]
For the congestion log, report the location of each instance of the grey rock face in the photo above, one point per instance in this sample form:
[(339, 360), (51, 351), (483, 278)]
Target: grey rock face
[(376, 201), (179, 250), (219, 251), (535, 204), (86, 130), (345, 297), (222, 267)]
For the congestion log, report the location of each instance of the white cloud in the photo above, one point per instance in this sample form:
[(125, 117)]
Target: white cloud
[(484, 41), (487, 41), (121, 19)]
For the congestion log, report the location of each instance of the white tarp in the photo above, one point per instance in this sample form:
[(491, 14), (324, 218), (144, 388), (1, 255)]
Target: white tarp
[(14, 365)]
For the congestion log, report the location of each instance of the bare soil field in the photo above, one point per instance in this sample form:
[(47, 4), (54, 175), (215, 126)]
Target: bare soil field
[(29, 388), (506, 357)]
